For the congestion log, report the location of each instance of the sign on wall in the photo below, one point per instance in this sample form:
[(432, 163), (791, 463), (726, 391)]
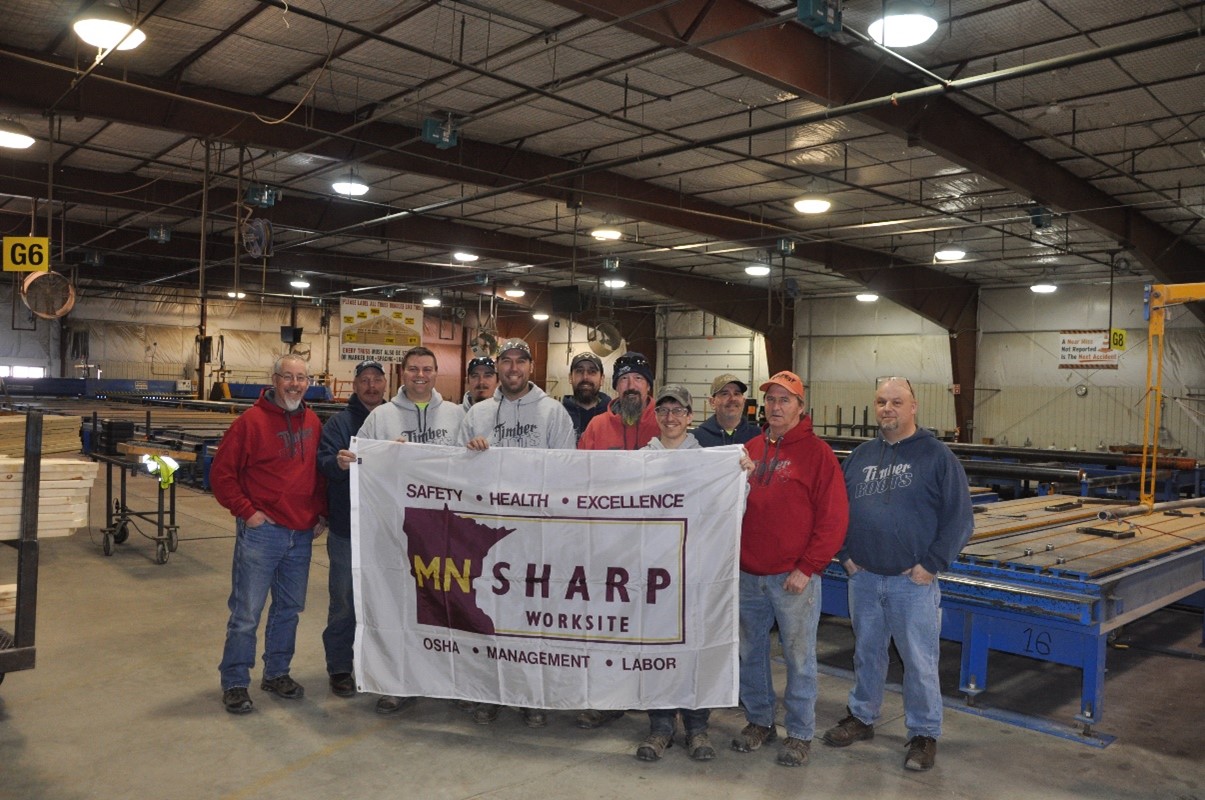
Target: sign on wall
[(378, 329), (547, 578), (26, 253), (1086, 350)]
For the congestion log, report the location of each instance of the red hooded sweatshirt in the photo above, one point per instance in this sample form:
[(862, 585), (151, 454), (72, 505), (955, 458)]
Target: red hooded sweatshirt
[(797, 510), (607, 431), (267, 462)]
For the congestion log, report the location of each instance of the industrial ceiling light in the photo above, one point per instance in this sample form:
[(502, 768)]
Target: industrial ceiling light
[(236, 295), (866, 297), (539, 316), (299, 282), (813, 204), (14, 135), (431, 301), (950, 251), (465, 257), (757, 270), (106, 26), (904, 23), (614, 283), (515, 291), (351, 186), (607, 233), (1043, 287)]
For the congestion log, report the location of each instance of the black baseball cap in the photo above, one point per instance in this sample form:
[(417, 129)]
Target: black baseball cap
[(481, 361), (370, 364)]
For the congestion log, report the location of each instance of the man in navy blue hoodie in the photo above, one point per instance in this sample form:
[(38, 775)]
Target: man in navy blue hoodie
[(728, 424), (909, 517), (368, 392)]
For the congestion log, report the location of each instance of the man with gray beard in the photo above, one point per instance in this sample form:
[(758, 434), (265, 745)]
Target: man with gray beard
[(631, 422)]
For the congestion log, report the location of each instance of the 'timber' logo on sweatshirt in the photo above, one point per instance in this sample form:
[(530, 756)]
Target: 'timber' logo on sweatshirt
[(876, 480), (519, 434)]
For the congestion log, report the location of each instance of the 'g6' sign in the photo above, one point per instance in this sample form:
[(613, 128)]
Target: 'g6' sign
[(26, 253)]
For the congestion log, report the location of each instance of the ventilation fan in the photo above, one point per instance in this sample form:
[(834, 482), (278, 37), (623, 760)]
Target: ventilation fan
[(485, 344), (603, 337), (257, 238), (48, 295)]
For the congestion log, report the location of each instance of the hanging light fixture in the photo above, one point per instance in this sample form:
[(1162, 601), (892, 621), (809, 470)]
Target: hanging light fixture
[(539, 316), (351, 186), (515, 290), (465, 257), (1043, 287), (607, 233), (107, 26), (758, 270), (236, 295), (904, 24), (614, 283), (299, 282), (431, 301), (866, 297), (14, 135), (950, 251), (813, 204)]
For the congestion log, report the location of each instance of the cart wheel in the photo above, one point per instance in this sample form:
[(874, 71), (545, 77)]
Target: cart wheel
[(161, 553), (108, 544), (123, 533), (173, 540)]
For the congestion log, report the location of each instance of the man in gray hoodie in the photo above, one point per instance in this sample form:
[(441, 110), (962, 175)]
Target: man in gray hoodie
[(519, 414), (418, 413)]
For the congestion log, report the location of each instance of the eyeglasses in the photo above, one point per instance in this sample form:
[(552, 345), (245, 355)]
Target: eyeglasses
[(293, 378), (665, 411)]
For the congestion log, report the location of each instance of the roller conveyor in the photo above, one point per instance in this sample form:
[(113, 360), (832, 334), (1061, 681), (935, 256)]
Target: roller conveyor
[(1045, 578)]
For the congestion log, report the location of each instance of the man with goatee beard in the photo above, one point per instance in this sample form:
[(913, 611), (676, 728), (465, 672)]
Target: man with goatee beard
[(587, 400), (632, 422)]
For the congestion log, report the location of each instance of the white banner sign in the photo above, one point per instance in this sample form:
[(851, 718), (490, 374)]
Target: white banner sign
[(547, 578), (1087, 350), (378, 329)]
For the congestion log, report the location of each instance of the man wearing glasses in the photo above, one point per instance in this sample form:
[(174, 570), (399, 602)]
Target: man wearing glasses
[(265, 474), (631, 424), (483, 380), (795, 519), (417, 413), (909, 517), (728, 424)]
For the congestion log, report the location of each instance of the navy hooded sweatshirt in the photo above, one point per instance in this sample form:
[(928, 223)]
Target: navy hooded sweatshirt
[(336, 435), (909, 503)]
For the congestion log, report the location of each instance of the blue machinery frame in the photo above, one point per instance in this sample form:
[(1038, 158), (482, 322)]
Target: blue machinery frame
[(1060, 616)]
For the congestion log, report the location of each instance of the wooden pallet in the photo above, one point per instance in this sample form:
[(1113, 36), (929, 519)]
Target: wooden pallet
[(63, 493)]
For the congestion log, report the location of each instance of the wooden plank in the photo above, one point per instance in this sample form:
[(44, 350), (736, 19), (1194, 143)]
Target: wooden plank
[(1029, 513), (8, 600), (130, 448)]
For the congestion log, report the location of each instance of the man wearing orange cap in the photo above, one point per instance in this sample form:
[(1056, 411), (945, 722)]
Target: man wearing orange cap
[(795, 520)]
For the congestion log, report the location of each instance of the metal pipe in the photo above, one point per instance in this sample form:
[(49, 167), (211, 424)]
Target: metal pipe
[(1143, 508)]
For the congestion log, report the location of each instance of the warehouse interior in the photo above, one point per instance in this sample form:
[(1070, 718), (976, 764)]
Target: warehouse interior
[(728, 186)]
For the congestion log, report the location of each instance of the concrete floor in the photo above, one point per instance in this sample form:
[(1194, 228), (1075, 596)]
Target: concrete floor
[(124, 703)]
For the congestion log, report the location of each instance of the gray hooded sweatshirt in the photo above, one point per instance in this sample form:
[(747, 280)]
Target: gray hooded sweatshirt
[(534, 420), (438, 423), (689, 443)]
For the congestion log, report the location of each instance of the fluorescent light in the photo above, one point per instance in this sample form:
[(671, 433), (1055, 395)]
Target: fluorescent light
[(539, 316), (299, 283), (813, 204), (903, 24), (866, 297), (465, 258), (950, 252), (431, 301), (235, 295), (757, 270), (351, 186), (614, 283), (14, 135), (515, 292), (1043, 287), (105, 26), (607, 233)]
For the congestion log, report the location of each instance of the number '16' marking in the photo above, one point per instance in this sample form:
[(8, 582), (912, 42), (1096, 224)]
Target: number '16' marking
[(1038, 642)]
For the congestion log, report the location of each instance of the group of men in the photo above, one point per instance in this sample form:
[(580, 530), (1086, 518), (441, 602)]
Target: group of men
[(895, 515)]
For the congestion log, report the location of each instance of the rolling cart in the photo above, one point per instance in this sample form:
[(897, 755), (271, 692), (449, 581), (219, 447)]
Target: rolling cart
[(118, 513)]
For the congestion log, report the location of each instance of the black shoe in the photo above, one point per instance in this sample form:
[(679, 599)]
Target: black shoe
[(343, 684), (283, 686), (388, 704), (654, 745), (753, 736), (847, 731), (534, 717), (922, 753), (486, 713), (236, 700)]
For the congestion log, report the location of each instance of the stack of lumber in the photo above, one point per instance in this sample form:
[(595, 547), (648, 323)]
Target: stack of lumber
[(62, 496), (59, 434), (8, 601)]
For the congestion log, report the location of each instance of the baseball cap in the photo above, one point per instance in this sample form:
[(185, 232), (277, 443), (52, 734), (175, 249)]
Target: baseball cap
[(370, 364), (674, 392), (515, 344), (723, 380), (787, 380), (481, 361), (582, 357)]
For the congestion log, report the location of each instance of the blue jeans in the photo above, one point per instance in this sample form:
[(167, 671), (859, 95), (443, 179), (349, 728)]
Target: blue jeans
[(663, 720), (274, 558), (764, 601), (886, 607), (340, 633)]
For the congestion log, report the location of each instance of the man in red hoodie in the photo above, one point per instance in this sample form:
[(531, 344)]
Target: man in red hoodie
[(630, 422), (265, 473), (795, 520)]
